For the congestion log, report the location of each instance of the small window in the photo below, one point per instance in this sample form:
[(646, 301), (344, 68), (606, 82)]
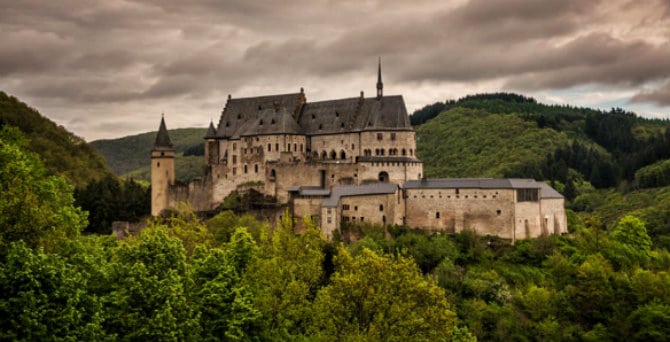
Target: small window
[(362, 218), (234, 159), (320, 126), (437, 215), (345, 207), (498, 212), (392, 136), (381, 207), (260, 123), (245, 168), (329, 220), (330, 211), (355, 208), (380, 136), (234, 171), (234, 147), (158, 164), (256, 168), (277, 147), (269, 147)]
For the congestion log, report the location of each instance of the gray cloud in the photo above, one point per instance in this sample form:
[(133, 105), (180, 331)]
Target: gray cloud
[(123, 56), (659, 96)]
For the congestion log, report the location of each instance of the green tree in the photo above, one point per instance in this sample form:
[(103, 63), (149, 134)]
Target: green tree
[(34, 207), (147, 299), (632, 244), (285, 277), (373, 297), (224, 304), (44, 298)]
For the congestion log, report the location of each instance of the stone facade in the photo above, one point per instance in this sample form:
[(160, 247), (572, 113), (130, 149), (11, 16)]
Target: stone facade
[(347, 160)]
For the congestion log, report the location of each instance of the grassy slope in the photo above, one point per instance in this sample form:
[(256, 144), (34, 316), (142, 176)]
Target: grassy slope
[(473, 143), (131, 153), (62, 152)]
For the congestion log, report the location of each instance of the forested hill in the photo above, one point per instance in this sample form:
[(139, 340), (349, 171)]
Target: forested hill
[(62, 152), (131, 153), (509, 135)]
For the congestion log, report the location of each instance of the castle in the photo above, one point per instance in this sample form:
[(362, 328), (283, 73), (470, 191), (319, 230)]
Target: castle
[(347, 160)]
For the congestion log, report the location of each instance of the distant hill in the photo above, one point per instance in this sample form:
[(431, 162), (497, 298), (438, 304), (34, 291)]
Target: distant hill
[(62, 152), (463, 142), (509, 135), (128, 154)]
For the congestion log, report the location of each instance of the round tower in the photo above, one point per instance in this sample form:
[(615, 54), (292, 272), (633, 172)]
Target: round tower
[(162, 170)]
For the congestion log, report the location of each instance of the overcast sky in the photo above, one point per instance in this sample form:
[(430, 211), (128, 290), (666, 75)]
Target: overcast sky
[(109, 68)]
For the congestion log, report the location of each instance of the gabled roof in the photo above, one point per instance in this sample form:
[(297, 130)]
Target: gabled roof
[(355, 114), (337, 192), (162, 137), (292, 115), (240, 113)]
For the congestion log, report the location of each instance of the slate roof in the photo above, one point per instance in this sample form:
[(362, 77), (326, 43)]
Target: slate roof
[(239, 114), (309, 190), (483, 183), (162, 137), (338, 192), (211, 131), (292, 115), (355, 114)]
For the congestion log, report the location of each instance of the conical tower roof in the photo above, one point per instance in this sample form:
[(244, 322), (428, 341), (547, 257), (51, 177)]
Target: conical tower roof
[(211, 131), (162, 138)]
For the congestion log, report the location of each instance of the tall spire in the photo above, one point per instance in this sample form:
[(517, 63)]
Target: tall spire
[(380, 85), (162, 138)]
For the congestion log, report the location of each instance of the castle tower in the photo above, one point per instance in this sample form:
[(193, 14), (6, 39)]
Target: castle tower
[(380, 85), (162, 170)]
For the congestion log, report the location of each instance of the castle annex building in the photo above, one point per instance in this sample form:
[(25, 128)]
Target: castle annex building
[(347, 160)]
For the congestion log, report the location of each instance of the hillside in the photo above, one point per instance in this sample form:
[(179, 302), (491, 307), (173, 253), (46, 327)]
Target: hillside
[(63, 153), (463, 142), (131, 153), (509, 135)]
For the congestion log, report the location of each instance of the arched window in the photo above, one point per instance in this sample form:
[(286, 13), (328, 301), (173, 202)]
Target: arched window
[(411, 152), (324, 155), (376, 151), (384, 177), (343, 155), (404, 152), (273, 174), (381, 151), (333, 155)]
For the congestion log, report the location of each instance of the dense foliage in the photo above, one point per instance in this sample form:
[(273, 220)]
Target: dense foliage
[(509, 135), (110, 199), (127, 154), (63, 153)]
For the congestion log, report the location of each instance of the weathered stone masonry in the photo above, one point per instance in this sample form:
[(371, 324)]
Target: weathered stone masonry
[(347, 160)]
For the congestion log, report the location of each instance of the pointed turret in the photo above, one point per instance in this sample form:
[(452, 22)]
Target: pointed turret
[(162, 170), (380, 85), (162, 138), (211, 131)]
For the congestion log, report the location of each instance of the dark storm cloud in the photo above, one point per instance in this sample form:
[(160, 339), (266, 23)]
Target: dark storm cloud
[(659, 96), (128, 55)]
